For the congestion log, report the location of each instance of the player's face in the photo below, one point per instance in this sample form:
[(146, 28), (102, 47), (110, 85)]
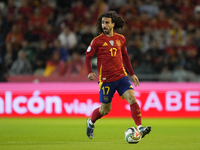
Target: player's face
[(107, 26)]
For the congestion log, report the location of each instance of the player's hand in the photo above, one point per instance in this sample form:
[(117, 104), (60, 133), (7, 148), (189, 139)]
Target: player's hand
[(135, 80), (91, 76)]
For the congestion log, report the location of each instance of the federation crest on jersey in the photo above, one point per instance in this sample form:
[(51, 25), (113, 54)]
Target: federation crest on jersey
[(111, 42), (118, 43)]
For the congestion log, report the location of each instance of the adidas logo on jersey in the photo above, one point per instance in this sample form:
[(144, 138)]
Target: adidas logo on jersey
[(105, 44)]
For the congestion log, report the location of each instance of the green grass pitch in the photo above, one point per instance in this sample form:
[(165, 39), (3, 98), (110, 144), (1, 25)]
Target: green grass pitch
[(70, 134)]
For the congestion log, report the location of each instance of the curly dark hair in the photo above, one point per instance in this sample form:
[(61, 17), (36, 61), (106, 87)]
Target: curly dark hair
[(118, 20)]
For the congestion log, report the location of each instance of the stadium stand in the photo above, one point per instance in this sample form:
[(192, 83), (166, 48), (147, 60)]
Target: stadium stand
[(162, 38)]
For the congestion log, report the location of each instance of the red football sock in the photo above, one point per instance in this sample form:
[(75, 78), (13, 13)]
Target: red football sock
[(136, 113), (96, 115)]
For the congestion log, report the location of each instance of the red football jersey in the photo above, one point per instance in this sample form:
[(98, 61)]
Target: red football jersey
[(110, 52)]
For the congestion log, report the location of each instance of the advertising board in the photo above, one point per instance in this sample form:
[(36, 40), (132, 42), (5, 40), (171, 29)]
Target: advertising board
[(80, 99)]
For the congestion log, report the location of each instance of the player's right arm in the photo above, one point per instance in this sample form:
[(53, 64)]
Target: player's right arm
[(91, 75), (89, 54)]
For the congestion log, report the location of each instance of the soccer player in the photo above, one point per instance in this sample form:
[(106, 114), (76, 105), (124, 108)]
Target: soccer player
[(110, 48)]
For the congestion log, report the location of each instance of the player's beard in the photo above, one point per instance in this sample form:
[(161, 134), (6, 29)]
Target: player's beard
[(106, 32)]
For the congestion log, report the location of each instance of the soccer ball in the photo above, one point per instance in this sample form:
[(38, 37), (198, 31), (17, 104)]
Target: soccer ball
[(132, 135)]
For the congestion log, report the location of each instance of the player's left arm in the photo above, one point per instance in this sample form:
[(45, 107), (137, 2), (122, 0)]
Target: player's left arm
[(128, 65)]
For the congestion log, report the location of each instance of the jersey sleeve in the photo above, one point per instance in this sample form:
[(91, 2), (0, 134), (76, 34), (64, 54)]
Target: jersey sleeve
[(89, 54), (91, 49), (126, 60)]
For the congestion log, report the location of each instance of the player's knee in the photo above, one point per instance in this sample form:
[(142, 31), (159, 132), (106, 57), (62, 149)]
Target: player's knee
[(129, 95), (131, 100), (104, 111)]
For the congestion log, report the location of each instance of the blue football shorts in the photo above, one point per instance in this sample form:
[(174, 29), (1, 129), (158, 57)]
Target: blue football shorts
[(107, 90)]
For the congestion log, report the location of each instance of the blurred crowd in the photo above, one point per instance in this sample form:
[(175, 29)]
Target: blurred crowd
[(50, 37)]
